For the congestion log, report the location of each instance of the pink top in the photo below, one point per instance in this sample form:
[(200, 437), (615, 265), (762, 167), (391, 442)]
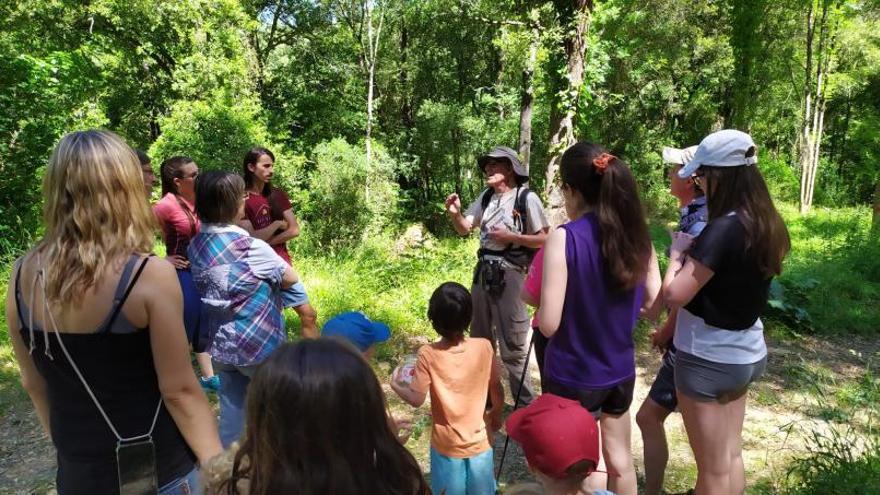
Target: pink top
[(532, 285), (179, 223)]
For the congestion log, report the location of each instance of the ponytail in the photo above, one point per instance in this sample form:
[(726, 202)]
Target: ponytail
[(606, 184), (170, 170)]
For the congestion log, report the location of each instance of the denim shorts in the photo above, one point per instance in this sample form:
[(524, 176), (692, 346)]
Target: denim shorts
[(295, 295), (706, 381), (185, 485), (466, 476)]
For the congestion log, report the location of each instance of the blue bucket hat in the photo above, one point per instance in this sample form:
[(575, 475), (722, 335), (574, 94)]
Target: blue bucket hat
[(355, 327)]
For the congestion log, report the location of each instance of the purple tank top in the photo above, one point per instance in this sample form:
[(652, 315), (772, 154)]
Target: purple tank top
[(593, 347)]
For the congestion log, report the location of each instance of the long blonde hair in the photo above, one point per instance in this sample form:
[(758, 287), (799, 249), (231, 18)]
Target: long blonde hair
[(94, 210)]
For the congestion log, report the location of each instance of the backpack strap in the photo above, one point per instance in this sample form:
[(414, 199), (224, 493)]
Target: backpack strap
[(486, 198), (17, 292)]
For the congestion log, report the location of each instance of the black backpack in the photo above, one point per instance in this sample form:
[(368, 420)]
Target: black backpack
[(518, 255)]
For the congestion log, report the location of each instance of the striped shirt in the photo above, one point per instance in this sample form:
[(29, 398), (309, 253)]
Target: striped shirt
[(239, 280)]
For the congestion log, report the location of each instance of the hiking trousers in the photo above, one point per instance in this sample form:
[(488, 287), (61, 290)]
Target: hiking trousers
[(504, 320)]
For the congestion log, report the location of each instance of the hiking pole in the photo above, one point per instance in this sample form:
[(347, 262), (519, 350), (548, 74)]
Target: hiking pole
[(522, 383)]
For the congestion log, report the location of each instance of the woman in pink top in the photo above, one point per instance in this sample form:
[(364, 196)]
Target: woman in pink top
[(177, 217), (531, 295)]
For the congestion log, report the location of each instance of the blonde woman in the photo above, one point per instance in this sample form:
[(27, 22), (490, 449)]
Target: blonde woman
[(97, 328)]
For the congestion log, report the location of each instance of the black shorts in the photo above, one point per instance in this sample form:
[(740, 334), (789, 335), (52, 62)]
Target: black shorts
[(613, 401), (663, 389)]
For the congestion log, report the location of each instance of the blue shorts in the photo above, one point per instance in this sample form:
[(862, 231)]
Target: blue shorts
[(295, 295), (468, 476)]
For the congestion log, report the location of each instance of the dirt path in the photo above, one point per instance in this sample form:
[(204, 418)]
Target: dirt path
[(786, 404)]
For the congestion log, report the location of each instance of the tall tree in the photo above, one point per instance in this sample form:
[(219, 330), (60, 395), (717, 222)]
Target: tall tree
[(575, 17), (820, 37)]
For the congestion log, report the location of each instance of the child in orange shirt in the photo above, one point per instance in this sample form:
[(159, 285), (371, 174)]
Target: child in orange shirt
[(460, 373)]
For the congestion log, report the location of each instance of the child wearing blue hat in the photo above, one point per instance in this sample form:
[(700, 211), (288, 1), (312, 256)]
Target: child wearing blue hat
[(356, 328)]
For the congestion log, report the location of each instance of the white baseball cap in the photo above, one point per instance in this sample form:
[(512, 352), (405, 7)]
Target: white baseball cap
[(678, 156), (727, 148)]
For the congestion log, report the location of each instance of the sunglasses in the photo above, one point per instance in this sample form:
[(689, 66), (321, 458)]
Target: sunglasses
[(190, 176)]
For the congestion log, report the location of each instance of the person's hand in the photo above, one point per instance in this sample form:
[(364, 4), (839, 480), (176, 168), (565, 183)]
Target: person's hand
[(280, 224), (502, 235), (453, 204), (178, 261), (660, 338), (681, 242), (403, 428)]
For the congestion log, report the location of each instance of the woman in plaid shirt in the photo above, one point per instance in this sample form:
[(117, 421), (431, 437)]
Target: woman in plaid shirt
[(239, 279)]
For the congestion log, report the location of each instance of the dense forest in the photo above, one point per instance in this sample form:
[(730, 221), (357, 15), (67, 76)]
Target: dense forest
[(406, 93)]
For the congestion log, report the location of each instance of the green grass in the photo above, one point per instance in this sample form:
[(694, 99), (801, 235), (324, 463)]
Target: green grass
[(833, 269)]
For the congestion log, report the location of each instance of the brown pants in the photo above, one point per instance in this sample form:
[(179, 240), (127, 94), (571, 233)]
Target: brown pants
[(504, 320)]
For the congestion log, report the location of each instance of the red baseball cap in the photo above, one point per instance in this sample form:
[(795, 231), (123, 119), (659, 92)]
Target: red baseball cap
[(555, 433)]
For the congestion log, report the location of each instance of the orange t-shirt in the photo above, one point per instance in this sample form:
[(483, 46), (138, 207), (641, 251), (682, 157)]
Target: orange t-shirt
[(458, 379)]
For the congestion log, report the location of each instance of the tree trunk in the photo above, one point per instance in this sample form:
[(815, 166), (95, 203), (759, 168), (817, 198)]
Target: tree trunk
[(371, 68), (562, 130), (875, 219), (814, 116), (527, 101)]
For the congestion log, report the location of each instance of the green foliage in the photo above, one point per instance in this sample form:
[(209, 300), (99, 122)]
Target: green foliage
[(349, 199), (41, 98), (840, 459), (215, 133), (833, 269)]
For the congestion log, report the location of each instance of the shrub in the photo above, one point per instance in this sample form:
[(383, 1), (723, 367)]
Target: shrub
[(347, 199), (216, 133)]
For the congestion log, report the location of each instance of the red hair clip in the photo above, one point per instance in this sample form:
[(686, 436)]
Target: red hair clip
[(601, 162)]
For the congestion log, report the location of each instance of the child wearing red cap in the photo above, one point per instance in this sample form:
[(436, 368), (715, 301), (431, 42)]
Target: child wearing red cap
[(460, 373), (561, 443)]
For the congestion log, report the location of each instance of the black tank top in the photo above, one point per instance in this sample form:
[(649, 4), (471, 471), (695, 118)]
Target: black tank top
[(118, 366)]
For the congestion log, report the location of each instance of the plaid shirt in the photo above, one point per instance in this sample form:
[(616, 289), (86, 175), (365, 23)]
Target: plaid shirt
[(238, 278)]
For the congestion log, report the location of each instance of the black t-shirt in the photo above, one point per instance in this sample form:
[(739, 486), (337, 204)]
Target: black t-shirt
[(735, 296)]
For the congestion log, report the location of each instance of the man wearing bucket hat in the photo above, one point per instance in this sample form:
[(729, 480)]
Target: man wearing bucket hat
[(512, 227)]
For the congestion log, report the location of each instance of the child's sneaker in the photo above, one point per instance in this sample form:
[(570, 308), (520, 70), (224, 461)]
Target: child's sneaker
[(210, 384)]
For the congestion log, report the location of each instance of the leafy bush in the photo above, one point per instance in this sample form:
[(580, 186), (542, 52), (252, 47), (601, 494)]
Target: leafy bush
[(783, 182), (347, 198), (216, 133), (42, 98)]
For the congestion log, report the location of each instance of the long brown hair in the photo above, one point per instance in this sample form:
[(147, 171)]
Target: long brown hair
[(317, 424), (613, 193), (743, 190), (94, 211)]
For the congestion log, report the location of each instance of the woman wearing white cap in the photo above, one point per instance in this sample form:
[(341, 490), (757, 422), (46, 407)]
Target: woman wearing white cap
[(720, 281)]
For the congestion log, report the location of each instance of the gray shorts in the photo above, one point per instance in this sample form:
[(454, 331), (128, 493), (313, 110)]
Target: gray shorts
[(706, 381)]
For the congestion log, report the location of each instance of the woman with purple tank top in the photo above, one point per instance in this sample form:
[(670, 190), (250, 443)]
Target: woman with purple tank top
[(600, 274)]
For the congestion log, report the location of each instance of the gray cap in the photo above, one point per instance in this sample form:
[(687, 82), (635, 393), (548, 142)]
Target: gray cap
[(504, 152), (677, 156)]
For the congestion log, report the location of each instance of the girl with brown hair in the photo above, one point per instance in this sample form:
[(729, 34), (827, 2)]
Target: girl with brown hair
[(600, 272), (316, 424), (719, 282), (96, 327), (179, 221)]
